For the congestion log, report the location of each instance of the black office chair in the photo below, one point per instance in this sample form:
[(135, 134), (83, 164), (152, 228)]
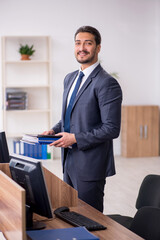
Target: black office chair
[(149, 195), (146, 223)]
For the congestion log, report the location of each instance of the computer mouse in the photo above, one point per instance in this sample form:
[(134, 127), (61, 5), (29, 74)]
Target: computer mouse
[(61, 209)]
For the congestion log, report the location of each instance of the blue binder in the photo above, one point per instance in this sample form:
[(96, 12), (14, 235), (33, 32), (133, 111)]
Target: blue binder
[(41, 139), (78, 233)]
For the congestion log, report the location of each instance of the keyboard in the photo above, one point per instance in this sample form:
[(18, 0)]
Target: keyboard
[(77, 219)]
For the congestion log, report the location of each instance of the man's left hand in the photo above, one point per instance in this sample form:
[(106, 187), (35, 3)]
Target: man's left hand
[(67, 140)]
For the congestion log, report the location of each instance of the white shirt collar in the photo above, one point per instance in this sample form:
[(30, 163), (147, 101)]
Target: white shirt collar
[(87, 71)]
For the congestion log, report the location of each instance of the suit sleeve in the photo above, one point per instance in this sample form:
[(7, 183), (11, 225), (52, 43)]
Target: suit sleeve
[(57, 127), (109, 97)]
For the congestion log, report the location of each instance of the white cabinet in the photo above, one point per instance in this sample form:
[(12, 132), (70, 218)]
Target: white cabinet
[(30, 76)]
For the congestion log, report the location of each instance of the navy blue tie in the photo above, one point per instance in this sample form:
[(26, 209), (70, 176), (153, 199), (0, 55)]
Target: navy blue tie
[(70, 105)]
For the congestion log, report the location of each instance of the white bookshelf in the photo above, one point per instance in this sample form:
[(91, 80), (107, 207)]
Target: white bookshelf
[(31, 76)]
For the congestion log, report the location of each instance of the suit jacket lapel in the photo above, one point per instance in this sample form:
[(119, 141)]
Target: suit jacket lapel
[(66, 91), (85, 85), (87, 82)]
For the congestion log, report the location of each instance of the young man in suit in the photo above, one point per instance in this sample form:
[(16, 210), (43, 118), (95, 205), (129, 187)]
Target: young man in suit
[(91, 117)]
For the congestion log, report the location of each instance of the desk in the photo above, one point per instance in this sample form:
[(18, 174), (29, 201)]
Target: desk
[(114, 230), (12, 206)]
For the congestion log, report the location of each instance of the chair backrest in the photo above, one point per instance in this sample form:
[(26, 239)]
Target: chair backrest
[(149, 192), (146, 223)]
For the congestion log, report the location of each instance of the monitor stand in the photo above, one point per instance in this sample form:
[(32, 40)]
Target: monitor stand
[(30, 224)]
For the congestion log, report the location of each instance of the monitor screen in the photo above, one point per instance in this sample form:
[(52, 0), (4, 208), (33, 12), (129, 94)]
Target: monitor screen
[(4, 153), (28, 173)]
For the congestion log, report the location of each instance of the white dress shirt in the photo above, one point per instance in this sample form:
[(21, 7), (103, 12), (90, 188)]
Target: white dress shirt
[(87, 72)]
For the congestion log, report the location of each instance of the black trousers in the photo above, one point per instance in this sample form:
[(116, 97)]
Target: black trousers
[(91, 192)]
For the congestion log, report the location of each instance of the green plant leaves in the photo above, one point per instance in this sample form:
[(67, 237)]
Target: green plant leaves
[(25, 49)]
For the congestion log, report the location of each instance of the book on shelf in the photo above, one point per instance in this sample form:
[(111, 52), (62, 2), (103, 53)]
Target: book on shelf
[(16, 100), (41, 139), (37, 151)]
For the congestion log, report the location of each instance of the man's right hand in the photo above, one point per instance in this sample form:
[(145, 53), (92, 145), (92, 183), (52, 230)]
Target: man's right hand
[(50, 132)]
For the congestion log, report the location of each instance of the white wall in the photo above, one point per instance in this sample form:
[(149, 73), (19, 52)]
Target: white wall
[(130, 32)]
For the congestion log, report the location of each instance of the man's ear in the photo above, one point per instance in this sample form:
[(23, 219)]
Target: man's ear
[(98, 48)]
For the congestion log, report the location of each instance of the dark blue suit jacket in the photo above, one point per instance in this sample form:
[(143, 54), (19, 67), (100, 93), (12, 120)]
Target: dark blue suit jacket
[(95, 121)]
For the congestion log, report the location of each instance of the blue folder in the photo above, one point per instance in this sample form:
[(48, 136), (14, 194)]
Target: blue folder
[(47, 139), (78, 233), (39, 139)]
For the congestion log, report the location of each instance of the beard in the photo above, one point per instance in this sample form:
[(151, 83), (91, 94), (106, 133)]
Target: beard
[(87, 60)]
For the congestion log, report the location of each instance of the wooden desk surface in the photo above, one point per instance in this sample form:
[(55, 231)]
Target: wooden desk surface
[(114, 230), (12, 211)]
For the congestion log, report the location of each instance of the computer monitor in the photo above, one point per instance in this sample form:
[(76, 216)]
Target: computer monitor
[(4, 153), (28, 173)]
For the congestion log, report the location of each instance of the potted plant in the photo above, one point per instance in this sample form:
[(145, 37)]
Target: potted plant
[(26, 51)]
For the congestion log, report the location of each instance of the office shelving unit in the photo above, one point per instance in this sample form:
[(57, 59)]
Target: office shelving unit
[(30, 76)]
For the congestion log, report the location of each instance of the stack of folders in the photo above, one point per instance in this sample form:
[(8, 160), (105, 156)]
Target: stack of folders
[(38, 151), (41, 139), (34, 146), (16, 100), (76, 233)]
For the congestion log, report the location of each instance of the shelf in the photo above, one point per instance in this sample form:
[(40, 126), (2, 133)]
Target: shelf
[(27, 86), (26, 62), (26, 36), (29, 111), (30, 76), (11, 45), (19, 136)]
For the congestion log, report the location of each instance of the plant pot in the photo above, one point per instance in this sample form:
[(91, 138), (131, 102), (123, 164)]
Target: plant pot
[(25, 57)]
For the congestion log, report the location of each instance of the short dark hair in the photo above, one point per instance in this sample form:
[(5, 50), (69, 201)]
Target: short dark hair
[(91, 30)]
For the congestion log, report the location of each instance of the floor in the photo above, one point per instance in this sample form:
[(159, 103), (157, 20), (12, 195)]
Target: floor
[(121, 190)]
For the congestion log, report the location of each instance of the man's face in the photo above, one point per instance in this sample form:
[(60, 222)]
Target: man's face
[(86, 50)]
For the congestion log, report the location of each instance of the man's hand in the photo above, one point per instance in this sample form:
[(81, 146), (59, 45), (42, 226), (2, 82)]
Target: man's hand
[(67, 139), (50, 132)]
